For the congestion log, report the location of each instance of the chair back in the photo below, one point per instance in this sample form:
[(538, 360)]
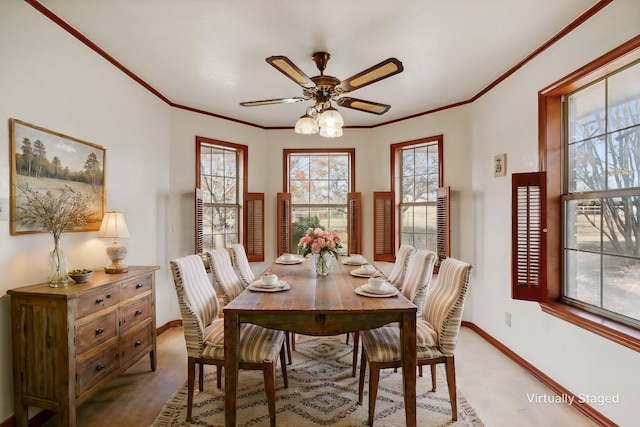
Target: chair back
[(445, 302), (396, 277), (199, 304), (418, 276), (241, 264), (224, 275)]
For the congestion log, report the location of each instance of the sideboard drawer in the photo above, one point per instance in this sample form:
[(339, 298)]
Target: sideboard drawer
[(95, 368), (94, 301), (95, 332), (136, 286), (135, 312), (136, 341)]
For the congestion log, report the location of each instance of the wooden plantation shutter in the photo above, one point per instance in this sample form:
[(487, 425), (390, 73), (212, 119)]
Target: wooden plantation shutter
[(354, 226), (443, 224), (254, 226), (198, 207), (283, 224), (528, 236), (383, 226)]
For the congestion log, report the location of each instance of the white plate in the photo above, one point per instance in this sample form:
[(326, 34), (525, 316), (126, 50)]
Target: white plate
[(385, 290), (258, 286), (296, 260), (358, 273), (362, 290), (349, 261)]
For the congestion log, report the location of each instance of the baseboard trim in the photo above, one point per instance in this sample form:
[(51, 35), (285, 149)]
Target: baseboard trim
[(45, 415), (585, 409)]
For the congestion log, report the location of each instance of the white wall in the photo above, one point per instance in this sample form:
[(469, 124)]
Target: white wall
[(505, 120), (51, 80)]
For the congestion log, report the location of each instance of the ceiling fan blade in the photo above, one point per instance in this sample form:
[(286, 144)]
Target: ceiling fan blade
[(371, 75), (361, 105), (273, 101), (289, 69)]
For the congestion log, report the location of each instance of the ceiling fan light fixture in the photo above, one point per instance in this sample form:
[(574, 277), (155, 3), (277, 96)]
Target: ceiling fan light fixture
[(306, 125), (331, 131), (330, 117)]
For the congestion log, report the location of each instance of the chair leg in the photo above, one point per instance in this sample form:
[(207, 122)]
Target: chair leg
[(191, 379), (270, 390), (293, 341), (374, 378), (200, 376), (356, 343), (285, 377), (433, 378), (288, 344), (451, 383), (346, 340), (363, 368)]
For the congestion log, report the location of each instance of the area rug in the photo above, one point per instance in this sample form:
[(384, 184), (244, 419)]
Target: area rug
[(321, 392)]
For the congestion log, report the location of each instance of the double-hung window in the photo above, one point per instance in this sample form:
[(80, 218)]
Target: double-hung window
[(416, 211), (225, 212), (583, 245), (601, 196), (318, 192)]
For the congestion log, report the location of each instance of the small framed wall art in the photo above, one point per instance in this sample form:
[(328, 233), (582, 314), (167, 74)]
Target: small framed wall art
[(500, 165)]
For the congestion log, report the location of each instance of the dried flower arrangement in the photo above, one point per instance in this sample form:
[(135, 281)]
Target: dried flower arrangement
[(54, 212)]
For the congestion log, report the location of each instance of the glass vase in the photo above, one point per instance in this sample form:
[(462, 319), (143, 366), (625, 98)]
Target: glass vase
[(58, 275), (323, 263)]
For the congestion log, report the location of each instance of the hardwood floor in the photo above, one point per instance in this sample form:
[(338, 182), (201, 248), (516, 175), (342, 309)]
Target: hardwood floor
[(495, 386)]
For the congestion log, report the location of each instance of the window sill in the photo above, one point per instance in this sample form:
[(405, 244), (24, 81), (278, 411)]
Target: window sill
[(614, 331)]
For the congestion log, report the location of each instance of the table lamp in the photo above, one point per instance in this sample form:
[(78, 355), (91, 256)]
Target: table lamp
[(114, 225)]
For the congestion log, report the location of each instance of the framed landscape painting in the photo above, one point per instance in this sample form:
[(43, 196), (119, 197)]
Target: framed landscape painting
[(46, 161)]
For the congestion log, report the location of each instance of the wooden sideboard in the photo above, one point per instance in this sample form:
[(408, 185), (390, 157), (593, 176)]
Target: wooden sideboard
[(69, 342)]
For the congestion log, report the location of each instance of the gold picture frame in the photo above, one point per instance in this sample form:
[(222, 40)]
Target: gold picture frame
[(500, 165), (48, 161)]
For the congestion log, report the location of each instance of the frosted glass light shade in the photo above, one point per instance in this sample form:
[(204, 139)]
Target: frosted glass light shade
[(331, 132), (306, 125), (331, 118)]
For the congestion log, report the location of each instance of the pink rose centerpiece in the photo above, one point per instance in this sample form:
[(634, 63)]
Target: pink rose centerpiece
[(323, 244)]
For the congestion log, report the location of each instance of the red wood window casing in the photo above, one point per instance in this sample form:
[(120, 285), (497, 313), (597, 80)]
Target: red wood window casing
[(354, 225), (283, 223), (383, 226), (254, 226), (528, 236)]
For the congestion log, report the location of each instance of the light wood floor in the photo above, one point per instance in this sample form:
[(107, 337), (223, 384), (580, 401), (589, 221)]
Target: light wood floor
[(494, 385)]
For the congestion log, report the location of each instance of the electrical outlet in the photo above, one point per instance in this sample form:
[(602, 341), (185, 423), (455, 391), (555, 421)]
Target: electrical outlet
[(507, 318)]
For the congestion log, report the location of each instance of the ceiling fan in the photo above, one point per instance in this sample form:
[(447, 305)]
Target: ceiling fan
[(323, 89)]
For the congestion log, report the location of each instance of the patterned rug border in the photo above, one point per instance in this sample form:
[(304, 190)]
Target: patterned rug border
[(168, 416)]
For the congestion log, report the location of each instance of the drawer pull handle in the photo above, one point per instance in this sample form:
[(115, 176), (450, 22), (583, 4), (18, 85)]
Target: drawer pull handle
[(100, 367), (138, 343), (99, 331), (138, 312), (99, 300), (108, 296), (139, 285)]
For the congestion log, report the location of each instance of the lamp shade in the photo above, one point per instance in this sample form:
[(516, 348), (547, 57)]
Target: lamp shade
[(306, 125), (113, 225), (330, 118), (331, 131)]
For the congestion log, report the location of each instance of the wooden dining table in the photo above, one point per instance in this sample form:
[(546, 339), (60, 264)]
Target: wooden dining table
[(318, 306)]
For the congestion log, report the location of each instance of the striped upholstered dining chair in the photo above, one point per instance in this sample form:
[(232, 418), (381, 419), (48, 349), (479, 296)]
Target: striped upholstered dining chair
[(229, 281), (396, 277), (204, 334), (240, 264), (414, 287), (436, 335)]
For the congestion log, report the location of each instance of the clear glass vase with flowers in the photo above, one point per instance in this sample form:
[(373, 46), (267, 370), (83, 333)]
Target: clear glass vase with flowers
[(323, 244)]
